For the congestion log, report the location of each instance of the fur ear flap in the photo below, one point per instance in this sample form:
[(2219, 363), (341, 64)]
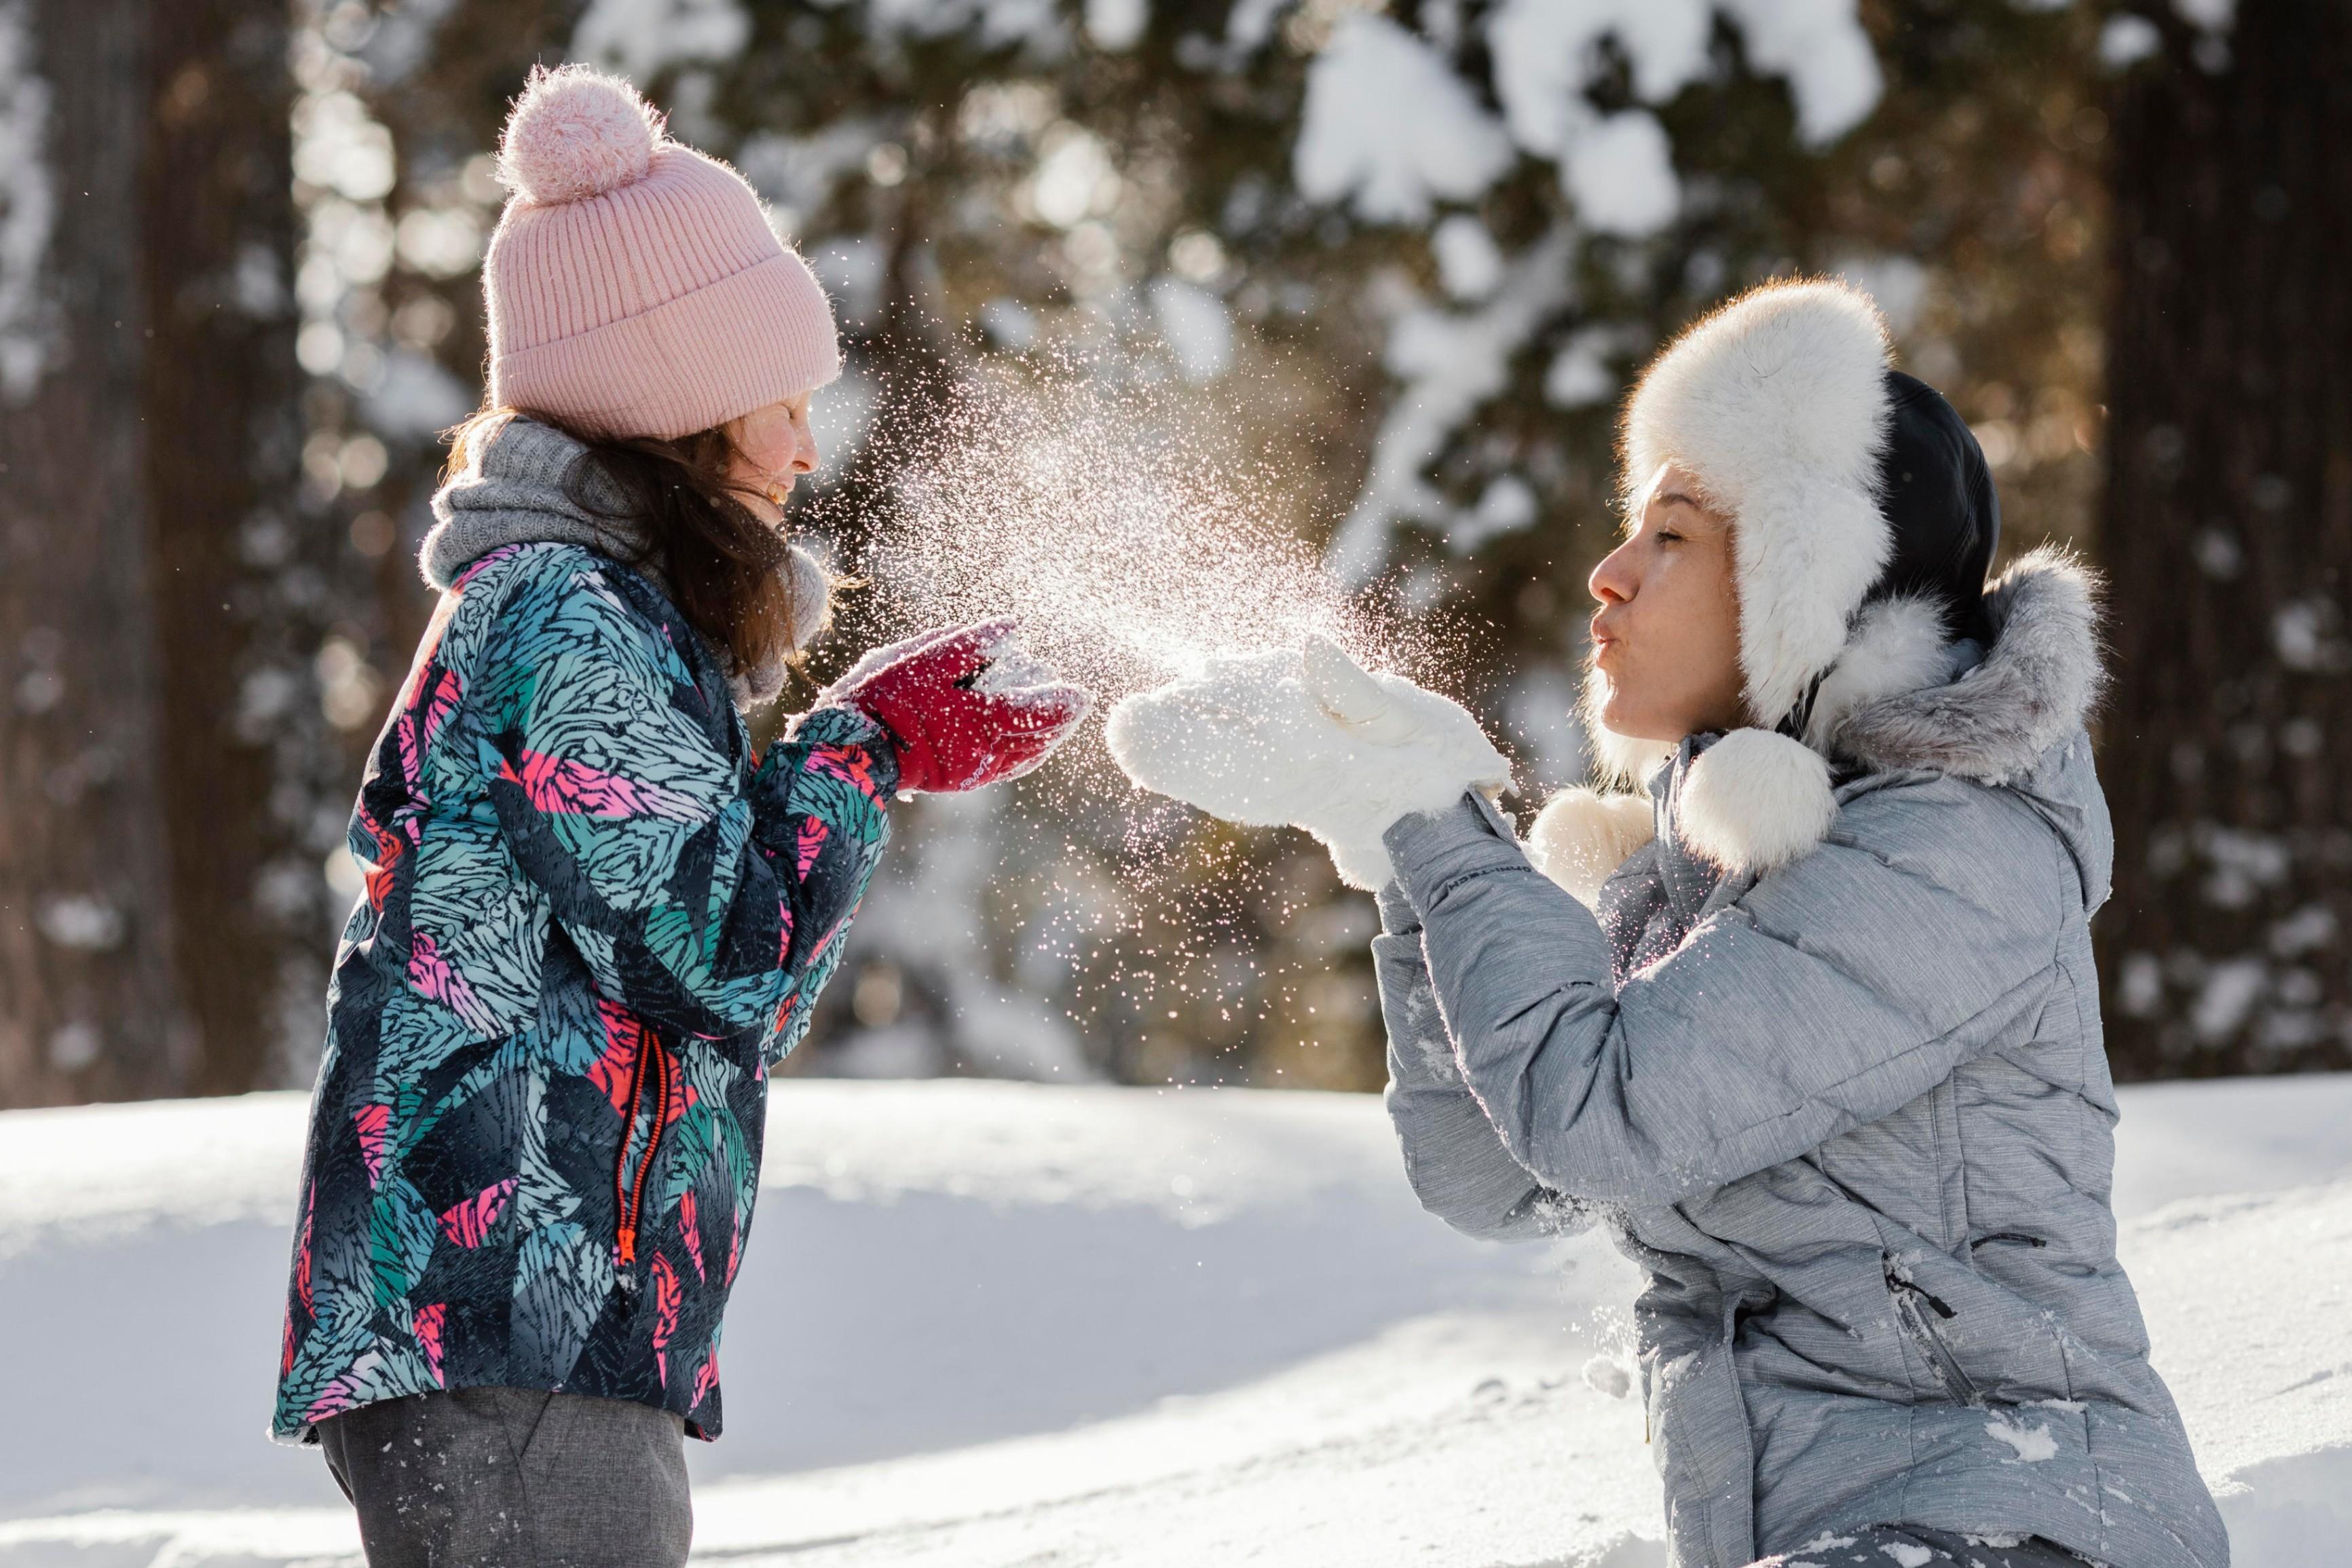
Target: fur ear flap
[(1754, 800), (1581, 836)]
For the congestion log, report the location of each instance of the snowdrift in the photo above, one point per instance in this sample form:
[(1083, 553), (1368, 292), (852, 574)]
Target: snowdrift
[(987, 1323)]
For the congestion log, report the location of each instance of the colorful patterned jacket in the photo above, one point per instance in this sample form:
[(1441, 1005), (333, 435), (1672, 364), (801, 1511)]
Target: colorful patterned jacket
[(592, 924)]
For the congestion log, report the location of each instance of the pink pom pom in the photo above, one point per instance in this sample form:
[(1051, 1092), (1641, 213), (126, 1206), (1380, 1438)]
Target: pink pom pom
[(576, 133)]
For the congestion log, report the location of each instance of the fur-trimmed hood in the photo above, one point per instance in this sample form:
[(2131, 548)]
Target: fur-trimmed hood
[(1899, 697), (517, 488)]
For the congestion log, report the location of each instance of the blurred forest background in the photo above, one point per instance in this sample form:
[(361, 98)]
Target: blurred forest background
[(1406, 254)]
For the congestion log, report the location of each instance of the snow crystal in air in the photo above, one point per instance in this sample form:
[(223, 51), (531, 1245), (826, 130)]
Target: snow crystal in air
[(1608, 1377), (1389, 125), (2032, 1445), (1101, 514)]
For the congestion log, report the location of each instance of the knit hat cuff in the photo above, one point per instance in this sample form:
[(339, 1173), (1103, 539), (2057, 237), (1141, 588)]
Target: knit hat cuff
[(715, 354)]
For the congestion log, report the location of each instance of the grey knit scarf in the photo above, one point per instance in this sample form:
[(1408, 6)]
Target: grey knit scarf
[(512, 491)]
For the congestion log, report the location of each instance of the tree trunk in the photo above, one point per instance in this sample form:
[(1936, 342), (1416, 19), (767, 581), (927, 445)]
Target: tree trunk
[(2228, 535), (150, 448), (88, 1008), (224, 449)]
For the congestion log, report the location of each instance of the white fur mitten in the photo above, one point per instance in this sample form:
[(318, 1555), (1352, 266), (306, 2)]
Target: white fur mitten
[(1306, 739)]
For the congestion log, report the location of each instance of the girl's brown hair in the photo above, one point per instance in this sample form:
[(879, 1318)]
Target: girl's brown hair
[(727, 569)]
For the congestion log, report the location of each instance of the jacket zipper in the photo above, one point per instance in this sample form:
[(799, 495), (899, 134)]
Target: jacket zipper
[(1912, 1302), (629, 1192)]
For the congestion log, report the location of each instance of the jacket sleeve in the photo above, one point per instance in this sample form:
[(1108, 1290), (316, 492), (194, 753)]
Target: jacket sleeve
[(699, 899), (1452, 1155), (1835, 991)]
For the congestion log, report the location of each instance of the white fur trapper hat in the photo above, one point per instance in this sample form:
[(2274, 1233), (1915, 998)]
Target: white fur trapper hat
[(1781, 404)]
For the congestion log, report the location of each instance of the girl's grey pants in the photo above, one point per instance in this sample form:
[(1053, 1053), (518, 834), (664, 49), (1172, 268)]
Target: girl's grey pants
[(513, 1478)]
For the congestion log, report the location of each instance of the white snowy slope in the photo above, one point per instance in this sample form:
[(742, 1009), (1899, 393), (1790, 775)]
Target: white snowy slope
[(987, 1323)]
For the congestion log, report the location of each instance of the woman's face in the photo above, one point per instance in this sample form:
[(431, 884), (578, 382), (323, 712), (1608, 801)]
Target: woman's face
[(774, 448), (1666, 636)]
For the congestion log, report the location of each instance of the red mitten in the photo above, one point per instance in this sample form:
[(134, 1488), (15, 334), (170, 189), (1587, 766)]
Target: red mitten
[(966, 706)]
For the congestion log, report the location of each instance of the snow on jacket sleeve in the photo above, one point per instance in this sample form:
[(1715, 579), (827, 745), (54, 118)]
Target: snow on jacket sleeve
[(699, 899), (1452, 1154), (1829, 994)]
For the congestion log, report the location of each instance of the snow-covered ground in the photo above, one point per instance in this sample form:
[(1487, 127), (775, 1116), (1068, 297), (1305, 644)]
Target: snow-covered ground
[(987, 1323)]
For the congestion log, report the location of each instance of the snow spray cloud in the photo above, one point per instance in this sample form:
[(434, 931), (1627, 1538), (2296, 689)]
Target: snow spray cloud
[(1122, 519), (1093, 506)]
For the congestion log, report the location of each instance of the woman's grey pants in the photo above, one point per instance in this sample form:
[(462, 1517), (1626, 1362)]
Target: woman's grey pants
[(513, 1478)]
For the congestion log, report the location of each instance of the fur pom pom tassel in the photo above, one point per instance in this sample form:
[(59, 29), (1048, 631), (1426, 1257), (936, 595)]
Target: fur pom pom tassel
[(1581, 836), (576, 133), (1755, 800)]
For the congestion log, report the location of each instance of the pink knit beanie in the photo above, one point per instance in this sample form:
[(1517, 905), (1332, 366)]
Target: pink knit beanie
[(634, 285)]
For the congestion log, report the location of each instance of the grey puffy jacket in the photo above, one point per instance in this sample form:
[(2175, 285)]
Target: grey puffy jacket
[(1853, 1119)]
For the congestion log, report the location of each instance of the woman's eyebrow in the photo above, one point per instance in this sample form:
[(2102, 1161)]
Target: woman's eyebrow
[(1674, 498)]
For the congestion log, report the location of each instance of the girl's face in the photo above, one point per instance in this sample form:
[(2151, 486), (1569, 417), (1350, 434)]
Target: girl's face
[(1666, 636), (774, 448)]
